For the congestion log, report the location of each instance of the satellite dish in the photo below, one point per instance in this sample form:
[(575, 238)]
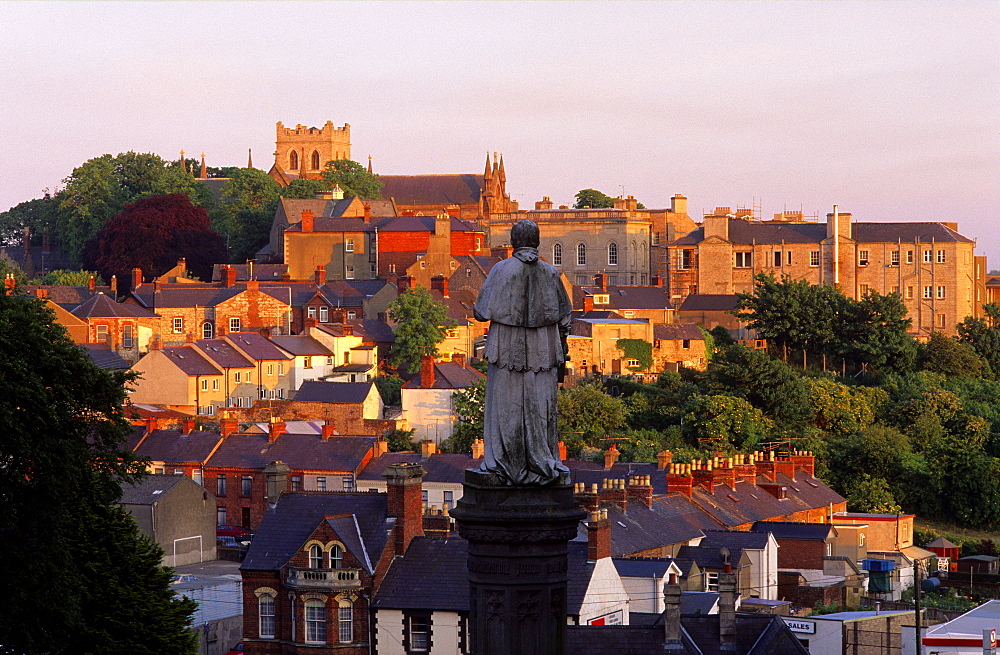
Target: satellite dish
[(724, 554)]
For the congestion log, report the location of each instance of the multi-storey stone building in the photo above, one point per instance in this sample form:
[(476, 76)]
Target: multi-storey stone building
[(302, 152), (929, 264)]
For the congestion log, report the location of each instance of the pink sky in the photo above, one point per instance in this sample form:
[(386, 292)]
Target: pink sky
[(888, 109)]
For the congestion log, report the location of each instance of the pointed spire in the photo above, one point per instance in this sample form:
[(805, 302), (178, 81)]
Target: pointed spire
[(496, 167), (183, 163), (488, 174), (369, 164), (204, 170), (249, 158), (503, 176)]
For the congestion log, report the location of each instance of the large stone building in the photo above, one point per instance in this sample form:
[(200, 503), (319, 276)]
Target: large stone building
[(929, 264), (584, 242), (302, 152)]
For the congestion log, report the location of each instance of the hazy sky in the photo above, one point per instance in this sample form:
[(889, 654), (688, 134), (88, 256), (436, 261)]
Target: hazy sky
[(889, 109)]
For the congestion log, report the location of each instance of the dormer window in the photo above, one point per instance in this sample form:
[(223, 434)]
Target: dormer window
[(601, 299)]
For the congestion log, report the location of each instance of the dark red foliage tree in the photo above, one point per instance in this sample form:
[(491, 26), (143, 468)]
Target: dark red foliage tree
[(152, 234)]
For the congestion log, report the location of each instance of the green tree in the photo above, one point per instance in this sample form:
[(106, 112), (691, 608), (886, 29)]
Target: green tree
[(766, 383), (40, 214), (78, 576), (62, 278), (250, 188), (421, 324), (469, 404), (587, 413), (725, 422), (870, 494), (873, 332), (301, 188), (400, 440), (388, 387), (594, 199), (245, 216), (353, 178), (950, 357)]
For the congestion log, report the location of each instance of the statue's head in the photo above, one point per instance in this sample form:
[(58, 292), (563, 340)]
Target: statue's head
[(524, 234)]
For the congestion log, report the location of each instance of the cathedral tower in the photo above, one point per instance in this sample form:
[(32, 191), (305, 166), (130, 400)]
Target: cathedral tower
[(302, 152)]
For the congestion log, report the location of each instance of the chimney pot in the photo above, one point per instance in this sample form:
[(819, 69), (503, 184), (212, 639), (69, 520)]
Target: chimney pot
[(478, 449), (275, 429), (319, 276), (307, 220), (427, 372)]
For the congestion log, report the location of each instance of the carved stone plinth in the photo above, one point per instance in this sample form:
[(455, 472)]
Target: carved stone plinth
[(517, 563)]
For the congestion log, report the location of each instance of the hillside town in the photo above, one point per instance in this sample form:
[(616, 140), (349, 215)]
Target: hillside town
[(304, 416)]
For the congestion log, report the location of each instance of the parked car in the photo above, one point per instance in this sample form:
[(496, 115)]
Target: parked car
[(180, 579), (231, 531), (237, 649)]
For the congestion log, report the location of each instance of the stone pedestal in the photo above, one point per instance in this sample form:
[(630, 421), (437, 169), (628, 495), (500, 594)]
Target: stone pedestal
[(517, 563)]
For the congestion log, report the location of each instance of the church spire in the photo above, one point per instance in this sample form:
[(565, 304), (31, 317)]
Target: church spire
[(204, 170), (249, 158), (503, 176), (496, 168), (369, 164), (182, 162), (488, 174)]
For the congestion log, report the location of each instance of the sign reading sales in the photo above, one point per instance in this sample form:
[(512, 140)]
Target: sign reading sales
[(808, 627)]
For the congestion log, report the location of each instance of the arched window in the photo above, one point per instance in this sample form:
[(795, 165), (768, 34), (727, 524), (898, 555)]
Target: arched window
[(581, 254), (293, 161), (612, 254), (336, 557), (315, 160), (557, 254), (345, 616), (315, 622), (315, 556), (265, 610), (207, 331)]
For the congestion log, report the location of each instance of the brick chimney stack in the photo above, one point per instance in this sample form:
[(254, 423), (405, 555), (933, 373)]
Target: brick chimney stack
[(803, 459), (307, 220), (275, 429), (380, 448), (319, 276), (327, 430), (663, 460), (368, 212), (588, 303), (136, 278), (679, 479), (404, 486), (672, 616), (9, 283), (229, 277), (91, 283), (601, 280), (598, 536), (277, 480), (151, 424), (440, 283), (188, 425), (427, 372), (704, 476), (613, 492), (587, 498), (228, 425), (562, 451), (501, 252), (639, 490), (478, 449), (114, 287), (611, 456), (427, 448)]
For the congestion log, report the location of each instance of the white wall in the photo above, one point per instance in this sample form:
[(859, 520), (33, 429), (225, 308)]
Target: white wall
[(429, 412), (605, 593), (389, 633)]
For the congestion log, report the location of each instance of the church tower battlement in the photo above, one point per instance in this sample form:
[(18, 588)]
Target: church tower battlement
[(303, 151)]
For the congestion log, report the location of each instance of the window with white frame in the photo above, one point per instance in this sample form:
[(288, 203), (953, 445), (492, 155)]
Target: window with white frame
[(265, 612), (307, 362), (204, 385), (235, 325), (685, 259), (310, 312), (178, 324), (894, 258), (940, 256), (940, 292), (581, 254), (126, 336), (350, 273), (557, 254), (220, 515), (602, 298), (349, 245), (337, 557), (347, 483), (207, 330), (220, 485), (744, 259), (320, 484), (419, 633), (612, 254), (270, 369), (236, 377), (345, 622), (315, 622), (862, 258), (928, 256), (102, 333), (942, 320), (712, 581), (909, 292), (928, 292), (814, 258), (909, 256), (324, 314), (351, 314), (315, 556), (449, 499), (788, 257), (632, 363)]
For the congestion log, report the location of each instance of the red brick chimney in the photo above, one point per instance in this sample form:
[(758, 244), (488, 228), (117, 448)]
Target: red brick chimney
[(151, 424), (9, 283), (704, 477), (427, 372), (613, 492), (562, 451), (785, 466), (327, 430), (725, 473), (803, 459), (41, 293), (380, 448), (598, 536), (286, 277), (404, 484), (319, 276), (114, 287), (656, 281), (91, 283), (501, 252), (611, 456), (601, 280), (228, 426), (275, 429), (136, 278), (478, 449), (588, 303), (458, 358), (587, 498), (156, 285), (188, 425), (639, 490), (679, 479), (307, 220), (368, 212), (440, 283), (765, 465), (229, 276)]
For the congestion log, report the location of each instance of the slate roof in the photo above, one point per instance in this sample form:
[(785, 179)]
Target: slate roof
[(256, 346), (671, 520), (102, 355), (743, 232), (66, 296), (709, 302), (424, 224), (735, 539), (261, 272), (439, 467), (677, 332), (223, 354), (175, 446), (191, 295), (615, 640), (642, 567), (336, 224), (349, 531), (334, 392), (287, 525), (301, 344), (432, 575), (449, 375), (580, 572), (149, 490), (941, 542), (790, 530), (300, 451), (444, 190), (627, 297), (100, 306), (708, 557), (190, 360), (749, 503)]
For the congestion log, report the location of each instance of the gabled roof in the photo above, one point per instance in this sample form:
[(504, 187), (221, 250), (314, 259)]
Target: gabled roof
[(197, 295), (63, 295), (735, 539), (100, 306), (424, 224), (190, 360), (708, 557), (287, 526), (176, 447), (347, 528), (373, 330), (102, 355), (709, 302), (344, 393), (941, 542), (431, 576), (262, 272), (745, 233), (301, 344), (443, 190), (643, 567), (677, 332), (749, 503), (449, 375), (790, 530), (671, 520), (439, 467), (627, 297), (222, 353), (300, 451), (256, 346), (149, 490)]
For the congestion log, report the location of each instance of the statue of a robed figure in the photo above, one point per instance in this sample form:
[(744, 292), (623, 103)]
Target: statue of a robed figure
[(529, 314)]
